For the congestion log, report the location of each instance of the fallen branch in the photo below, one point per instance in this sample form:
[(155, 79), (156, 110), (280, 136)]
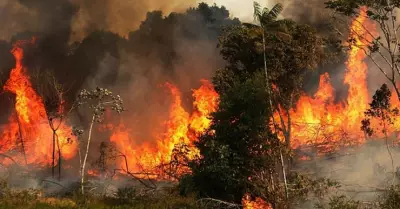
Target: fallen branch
[(44, 180), (8, 157), (218, 203)]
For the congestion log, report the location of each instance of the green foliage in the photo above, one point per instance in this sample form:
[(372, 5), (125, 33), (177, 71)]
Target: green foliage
[(26, 199), (266, 16), (340, 202), (237, 144), (291, 50), (302, 186), (350, 7), (381, 109)]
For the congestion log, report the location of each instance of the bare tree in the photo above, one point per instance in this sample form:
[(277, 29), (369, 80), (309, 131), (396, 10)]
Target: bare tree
[(97, 100), (52, 94)]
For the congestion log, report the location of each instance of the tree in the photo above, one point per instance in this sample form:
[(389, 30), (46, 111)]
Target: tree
[(97, 100), (52, 94), (238, 145), (265, 18), (382, 49), (381, 110), (287, 49)]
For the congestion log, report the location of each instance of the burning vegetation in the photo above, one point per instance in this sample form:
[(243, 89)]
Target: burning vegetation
[(183, 134)]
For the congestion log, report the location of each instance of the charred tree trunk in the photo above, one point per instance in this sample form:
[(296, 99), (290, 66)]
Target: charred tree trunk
[(22, 139), (53, 156), (59, 157)]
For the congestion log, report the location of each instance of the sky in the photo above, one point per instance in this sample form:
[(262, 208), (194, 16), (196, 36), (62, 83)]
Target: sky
[(242, 9)]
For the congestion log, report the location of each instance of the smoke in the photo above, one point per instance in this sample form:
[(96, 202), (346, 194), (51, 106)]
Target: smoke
[(310, 12), (120, 46), (363, 172), (118, 16)]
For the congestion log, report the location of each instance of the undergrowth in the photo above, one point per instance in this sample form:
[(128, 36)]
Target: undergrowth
[(124, 199)]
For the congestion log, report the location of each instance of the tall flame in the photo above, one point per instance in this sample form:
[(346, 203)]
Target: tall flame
[(28, 130), (206, 102), (318, 119), (181, 128)]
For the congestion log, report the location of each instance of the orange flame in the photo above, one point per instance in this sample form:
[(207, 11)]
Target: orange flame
[(318, 119), (28, 128), (206, 102), (179, 130), (258, 203)]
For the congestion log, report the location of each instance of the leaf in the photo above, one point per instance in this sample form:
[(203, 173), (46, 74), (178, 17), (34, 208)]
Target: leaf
[(275, 11), (257, 11)]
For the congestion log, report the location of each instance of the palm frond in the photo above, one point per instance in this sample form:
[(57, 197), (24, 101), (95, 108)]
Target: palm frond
[(285, 22), (265, 11), (257, 11), (250, 25), (283, 25), (275, 11)]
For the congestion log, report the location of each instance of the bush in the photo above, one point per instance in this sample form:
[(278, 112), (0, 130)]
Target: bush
[(340, 202), (391, 198), (126, 199)]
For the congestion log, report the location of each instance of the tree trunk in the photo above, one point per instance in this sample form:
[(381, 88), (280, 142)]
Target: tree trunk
[(289, 122), (284, 175), (54, 150), (266, 74), (59, 157), (397, 90), (86, 154), (272, 109), (22, 140)]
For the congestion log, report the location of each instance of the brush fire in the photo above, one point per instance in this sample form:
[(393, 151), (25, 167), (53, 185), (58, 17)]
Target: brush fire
[(32, 136)]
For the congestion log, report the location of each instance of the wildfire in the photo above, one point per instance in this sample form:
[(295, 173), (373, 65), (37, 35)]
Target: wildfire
[(206, 102), (181, 127), (318, 119), (28, 131)]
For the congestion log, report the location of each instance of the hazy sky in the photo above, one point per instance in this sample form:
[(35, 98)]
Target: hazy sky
[(243, 9)]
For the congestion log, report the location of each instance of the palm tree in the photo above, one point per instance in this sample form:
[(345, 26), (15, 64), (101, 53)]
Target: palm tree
[(267, 20)]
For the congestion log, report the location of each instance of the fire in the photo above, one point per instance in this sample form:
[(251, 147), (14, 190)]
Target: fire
[(318, 119), (206, 102), (258, 203), (181, 127), (177, 126), (28, 130)]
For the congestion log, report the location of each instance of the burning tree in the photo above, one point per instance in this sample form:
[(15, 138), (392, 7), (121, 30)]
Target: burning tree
[(383, 48), (98, 101), (52, 93), (291, 50), (238, 145), (31, 117)]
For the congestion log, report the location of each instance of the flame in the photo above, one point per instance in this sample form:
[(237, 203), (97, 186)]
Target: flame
[(206, 102), (28, 130), (181, 128), (258, 203), (318, 119), (177, 126)]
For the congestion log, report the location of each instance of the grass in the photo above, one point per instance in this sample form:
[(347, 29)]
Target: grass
[(26, 200)]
